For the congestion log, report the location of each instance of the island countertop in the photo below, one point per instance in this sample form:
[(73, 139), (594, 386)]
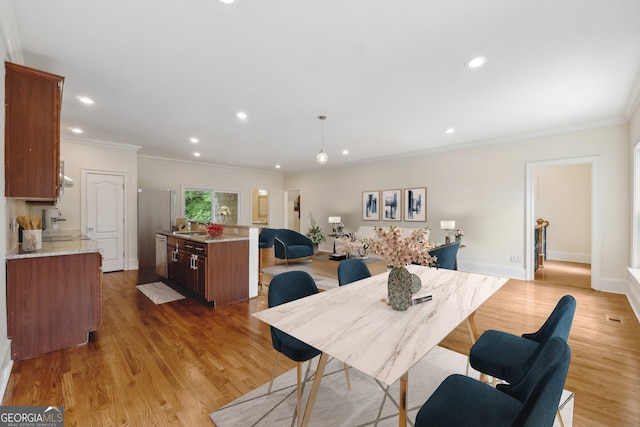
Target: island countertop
[(202, 236), (68, 247)]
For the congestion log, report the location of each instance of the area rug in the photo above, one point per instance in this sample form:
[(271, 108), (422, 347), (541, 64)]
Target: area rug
[(160, 293), (368, 403), (322, 282)]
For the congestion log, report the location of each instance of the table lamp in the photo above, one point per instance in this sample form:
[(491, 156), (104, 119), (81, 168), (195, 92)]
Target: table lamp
[(337, 224), (448, 226)]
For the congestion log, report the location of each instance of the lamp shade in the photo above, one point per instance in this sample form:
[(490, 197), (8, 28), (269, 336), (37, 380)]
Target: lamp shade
[(322, 158), (447, 225), (335, 220)]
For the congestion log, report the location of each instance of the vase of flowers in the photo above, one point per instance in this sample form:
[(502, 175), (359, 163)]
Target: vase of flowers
[(458, 235), (398, 252), (224, 211), (215, 230)]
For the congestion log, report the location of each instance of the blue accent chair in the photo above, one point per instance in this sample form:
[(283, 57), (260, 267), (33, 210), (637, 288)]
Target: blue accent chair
[(287, 287), (352, 270), (462, 401), (509, 357), (265, 241), (266, 238), (447, 255), (289, 245)]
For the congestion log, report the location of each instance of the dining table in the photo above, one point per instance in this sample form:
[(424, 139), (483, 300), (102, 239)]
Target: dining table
[(356, 325)]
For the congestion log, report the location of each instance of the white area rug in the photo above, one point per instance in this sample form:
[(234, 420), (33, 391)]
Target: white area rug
[(322, 282), (160, 293), (369, 403)]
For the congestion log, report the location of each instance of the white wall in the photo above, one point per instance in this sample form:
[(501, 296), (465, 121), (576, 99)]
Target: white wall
[(79, 155), (634, 220), (154, 173), (6, 15), (482, 188), (564, 199)]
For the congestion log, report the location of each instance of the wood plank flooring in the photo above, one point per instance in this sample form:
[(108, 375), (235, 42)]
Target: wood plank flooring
[(172, 364)]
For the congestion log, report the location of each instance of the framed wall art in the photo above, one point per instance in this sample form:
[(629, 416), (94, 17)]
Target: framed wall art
[(370, 206), (391, 205), (415, 204)]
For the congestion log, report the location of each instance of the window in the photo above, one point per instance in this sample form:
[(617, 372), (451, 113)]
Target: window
[(197, 205), (203, 205)]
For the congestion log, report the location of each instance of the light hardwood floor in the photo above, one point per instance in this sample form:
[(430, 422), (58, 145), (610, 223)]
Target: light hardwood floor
[(172, 364)]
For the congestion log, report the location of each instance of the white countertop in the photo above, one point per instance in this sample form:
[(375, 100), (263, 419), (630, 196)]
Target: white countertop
[(69, 247)]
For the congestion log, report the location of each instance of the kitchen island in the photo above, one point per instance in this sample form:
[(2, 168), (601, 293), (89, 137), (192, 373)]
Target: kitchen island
[(54, 296), (215, 270)]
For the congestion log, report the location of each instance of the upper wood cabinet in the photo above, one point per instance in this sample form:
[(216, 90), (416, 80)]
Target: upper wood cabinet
[(33, 101)]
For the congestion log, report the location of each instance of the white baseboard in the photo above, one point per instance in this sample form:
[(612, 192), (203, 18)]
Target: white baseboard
[(569, 257), (5, 368)]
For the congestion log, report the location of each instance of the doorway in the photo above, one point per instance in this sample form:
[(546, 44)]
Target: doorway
[(292, 208), (531, 213), (103, 215)]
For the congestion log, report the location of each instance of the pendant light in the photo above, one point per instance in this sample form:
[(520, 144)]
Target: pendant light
[(322, 157)]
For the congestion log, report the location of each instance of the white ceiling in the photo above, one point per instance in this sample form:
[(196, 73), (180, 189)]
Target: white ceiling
[(389, 75)]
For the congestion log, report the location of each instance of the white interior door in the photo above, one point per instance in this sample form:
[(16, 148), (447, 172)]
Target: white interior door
[(105, 217)]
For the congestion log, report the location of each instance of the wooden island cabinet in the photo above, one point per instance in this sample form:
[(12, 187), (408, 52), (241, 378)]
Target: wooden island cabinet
[(216, 270), (53, 302)]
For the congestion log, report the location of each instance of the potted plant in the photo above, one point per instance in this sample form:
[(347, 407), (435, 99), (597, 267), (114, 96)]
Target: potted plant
[(315, 233)]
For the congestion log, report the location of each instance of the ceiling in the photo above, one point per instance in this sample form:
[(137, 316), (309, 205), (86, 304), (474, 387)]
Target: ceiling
[(389, 75)]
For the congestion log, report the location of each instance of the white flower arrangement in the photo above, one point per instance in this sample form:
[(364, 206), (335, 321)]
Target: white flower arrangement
[(224, 211)]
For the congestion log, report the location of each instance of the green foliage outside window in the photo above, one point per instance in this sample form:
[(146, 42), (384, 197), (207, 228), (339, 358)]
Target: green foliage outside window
[(197, 205)]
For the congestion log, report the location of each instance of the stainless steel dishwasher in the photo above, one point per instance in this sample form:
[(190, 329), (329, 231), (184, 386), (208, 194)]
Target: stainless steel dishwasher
[(161, 255)]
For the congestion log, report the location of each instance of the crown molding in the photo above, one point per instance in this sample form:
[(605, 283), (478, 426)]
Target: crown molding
[(100, 143), (634, 99), (9, 33)]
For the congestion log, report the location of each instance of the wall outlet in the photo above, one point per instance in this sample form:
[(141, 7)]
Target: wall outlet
[(235, 231)]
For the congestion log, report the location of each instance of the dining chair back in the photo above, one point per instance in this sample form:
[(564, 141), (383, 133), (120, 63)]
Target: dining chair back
[(508, 357), (351, 270), (532, 402)]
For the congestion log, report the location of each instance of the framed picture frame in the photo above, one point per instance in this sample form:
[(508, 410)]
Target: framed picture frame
[(370, 205), (415, 204), (391, 201)]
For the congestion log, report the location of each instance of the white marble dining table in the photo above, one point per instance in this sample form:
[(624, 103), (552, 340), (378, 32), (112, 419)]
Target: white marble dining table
[(355, 324)]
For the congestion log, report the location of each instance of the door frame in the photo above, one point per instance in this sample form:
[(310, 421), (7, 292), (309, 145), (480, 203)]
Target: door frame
[(125, 206), (596, 248)]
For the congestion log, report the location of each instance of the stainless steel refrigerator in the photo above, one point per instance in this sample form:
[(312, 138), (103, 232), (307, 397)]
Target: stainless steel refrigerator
[(156, 211)]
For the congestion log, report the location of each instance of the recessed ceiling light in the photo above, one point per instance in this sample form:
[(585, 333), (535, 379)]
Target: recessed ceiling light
[(277, 166), (476, 62), (345, 152), (241, 115), (75, 130), (85, 100), (196, 154), (226, 1), (449, 130), (194, 140)]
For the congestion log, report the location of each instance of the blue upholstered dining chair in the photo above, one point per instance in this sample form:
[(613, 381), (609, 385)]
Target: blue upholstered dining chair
[(352, 270), (287, 287), (447, 255), (289, 244), (509, 357), (462, 401)]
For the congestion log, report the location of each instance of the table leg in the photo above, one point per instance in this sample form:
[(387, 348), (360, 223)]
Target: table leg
[(473, 332), (402, 416), (322, 363)]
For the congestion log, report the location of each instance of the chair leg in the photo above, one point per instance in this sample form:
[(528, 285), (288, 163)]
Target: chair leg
[(560, 419), (299, 393), (273, 375), (346, 373)]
